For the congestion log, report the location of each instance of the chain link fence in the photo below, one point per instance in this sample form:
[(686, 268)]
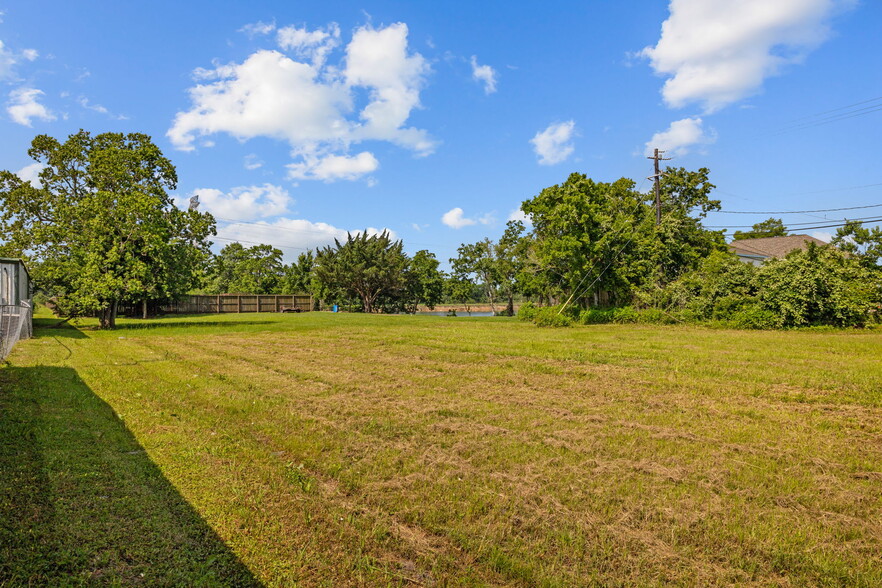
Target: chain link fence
[(15, 324)]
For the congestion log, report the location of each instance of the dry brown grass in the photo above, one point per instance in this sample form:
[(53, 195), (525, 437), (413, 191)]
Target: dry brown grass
[(346, 450)]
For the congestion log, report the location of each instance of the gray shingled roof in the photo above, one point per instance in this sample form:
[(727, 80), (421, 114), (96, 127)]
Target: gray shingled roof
[(772, 246)]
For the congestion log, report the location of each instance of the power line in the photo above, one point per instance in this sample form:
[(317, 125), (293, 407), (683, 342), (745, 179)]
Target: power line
[(876, 99), (805, 228), (863, 218), (796, 211), (819, 119)]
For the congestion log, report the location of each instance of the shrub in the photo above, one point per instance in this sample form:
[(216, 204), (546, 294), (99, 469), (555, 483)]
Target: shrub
[(527, 311), (626, 314), (654, 316), (595, 316), (754, 316), (819, 286), (551, 316)]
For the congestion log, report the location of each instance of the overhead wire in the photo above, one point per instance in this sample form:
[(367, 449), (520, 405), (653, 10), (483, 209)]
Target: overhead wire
[(827, 116), (796, 211), (804, 225)]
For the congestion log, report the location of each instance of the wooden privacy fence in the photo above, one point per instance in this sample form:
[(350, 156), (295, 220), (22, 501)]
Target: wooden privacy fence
[(199, 304)]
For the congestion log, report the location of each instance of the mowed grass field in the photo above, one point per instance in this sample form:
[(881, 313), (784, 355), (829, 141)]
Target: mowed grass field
[(333, 450)]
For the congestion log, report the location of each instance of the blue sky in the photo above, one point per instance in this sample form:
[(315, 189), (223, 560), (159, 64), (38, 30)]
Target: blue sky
[(298, 121)]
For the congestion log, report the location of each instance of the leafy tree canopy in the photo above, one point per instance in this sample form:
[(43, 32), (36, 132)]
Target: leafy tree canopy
[(772, 227), (366, 267), (251, 270), (599, 242), (100, 228), (861, 242)]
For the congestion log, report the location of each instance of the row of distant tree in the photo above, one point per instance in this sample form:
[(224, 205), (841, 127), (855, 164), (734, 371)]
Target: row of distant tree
[(100, 229)]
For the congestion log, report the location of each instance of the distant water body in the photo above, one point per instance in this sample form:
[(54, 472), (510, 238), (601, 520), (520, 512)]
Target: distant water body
[(459, 313)]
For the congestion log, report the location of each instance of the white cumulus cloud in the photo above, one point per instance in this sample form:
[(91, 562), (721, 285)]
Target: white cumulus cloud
[(715, 52), (519, 215), (555, 143), (680, 136), (455, 219), (292, 236), (333, 167), (31, 173), (312, 105), (23, 106), (243, 203), (484, 74), (377, 59)]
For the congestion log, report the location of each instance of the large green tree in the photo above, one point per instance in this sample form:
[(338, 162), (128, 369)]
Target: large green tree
[(582, 229), (476, 264), (251, 270), (599, 243), (297, 276), (680, 242), (494, 266), (100, 228), (366, 267), (424, 282)]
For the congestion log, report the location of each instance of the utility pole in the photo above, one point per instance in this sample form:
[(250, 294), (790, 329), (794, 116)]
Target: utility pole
[(657, 178)]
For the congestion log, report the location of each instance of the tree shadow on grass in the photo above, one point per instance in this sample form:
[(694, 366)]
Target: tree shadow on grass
[(82, 503), (136, 326), (56, 327)]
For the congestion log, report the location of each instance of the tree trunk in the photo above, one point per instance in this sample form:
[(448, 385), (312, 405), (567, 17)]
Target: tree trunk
[(107, 316), (144, 308), (509, 308)]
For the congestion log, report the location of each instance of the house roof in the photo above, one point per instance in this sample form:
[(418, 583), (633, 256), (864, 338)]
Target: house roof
[(772, 246)]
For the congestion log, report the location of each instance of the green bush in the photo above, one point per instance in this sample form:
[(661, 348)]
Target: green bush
[(596, 316), (550, 316), (754, 317), (654, 316), (527, 311), (626, 314), (819, 286)]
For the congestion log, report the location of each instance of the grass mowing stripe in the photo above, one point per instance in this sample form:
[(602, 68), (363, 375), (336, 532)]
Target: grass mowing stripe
[(384, 450)]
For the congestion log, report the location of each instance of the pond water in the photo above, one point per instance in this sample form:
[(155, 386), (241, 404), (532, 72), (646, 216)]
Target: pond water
[(459, 313)]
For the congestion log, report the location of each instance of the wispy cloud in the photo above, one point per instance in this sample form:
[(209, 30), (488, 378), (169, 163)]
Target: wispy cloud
[(485, 75), (84, 102)]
